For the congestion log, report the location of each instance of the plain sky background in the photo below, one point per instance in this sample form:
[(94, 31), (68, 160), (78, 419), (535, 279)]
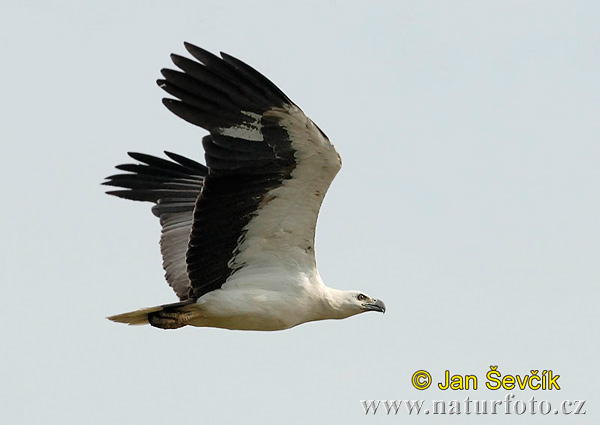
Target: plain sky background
[(468, 202)]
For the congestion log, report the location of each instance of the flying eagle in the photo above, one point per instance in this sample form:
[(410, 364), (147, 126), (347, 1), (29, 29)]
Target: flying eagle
[(238, 234)]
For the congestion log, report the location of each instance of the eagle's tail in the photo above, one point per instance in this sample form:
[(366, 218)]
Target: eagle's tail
[(168, 316)]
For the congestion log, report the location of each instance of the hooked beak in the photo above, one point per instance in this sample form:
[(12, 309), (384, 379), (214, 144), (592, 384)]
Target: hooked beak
[(376, 305)]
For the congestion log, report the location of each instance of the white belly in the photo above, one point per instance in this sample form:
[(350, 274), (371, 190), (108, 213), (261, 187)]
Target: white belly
[(253, 309)]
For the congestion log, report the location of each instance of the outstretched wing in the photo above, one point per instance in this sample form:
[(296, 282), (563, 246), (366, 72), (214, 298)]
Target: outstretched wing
[(173, 186), (269, 169)]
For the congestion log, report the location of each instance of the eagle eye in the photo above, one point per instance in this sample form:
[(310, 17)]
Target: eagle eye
[(361, 297)]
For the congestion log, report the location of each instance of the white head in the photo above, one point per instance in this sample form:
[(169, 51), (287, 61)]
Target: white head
[(349, 303)]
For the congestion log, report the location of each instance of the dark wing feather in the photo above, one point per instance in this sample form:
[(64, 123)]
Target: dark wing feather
[(173, 186)]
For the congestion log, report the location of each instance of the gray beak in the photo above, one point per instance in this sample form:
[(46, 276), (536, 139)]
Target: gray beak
[(376, 305)]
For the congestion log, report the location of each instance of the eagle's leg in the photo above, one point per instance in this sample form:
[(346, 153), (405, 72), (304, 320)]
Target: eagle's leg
[(168, 320)]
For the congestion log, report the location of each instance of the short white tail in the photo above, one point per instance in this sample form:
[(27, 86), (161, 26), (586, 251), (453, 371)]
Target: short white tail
[(138, 317), (168, 316)]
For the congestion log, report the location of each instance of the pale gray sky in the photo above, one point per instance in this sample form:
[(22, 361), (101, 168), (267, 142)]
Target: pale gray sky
[(468, 201)]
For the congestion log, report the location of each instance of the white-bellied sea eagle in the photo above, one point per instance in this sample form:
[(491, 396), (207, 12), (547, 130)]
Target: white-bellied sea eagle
[(238, 234)]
